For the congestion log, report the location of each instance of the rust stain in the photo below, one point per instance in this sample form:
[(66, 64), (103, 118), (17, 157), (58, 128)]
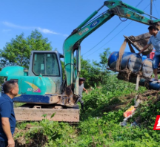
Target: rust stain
[(128, 15)]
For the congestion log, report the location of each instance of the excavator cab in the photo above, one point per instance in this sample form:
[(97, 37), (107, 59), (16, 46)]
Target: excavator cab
[(44, 77), (40, 89), (47, 64)]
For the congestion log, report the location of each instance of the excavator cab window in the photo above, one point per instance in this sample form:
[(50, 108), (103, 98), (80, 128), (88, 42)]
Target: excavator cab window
[(46, 64)]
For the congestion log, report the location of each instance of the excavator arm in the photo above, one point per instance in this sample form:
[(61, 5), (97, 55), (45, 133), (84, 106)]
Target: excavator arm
[(72, 43)]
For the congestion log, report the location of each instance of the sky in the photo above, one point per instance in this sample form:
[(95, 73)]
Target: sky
[(56, 19)]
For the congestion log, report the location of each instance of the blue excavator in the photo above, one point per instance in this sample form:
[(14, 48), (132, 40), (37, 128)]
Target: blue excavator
[(43, 91)]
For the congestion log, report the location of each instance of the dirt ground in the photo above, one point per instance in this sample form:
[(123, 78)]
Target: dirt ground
[(126, 101), (37, 141)]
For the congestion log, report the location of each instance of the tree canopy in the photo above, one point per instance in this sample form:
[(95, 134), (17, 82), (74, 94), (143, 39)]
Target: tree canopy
[(17, 52), (95, 72)]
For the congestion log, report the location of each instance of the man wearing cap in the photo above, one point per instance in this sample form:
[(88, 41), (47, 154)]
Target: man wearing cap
[(155, 41), (81, 89)]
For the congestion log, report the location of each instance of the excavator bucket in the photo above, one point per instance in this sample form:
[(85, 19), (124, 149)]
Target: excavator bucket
[(140, 41)]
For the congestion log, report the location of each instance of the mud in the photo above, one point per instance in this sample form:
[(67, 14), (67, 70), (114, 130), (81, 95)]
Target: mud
[(35, 140)]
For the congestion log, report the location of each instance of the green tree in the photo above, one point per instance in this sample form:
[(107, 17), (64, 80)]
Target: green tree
[(37, 42), (95, 73), (18, 51), (85, 71), (63, 69), (101, 66), (1, 80)]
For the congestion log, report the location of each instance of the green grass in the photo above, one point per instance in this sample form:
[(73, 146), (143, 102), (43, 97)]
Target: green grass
[(99, 125), (17, 104)]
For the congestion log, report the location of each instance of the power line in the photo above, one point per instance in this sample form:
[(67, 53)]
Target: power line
[(103, 39), (108, 33), (151, 4), (116, 34), (146, 7), (110, 39), (156, 10)]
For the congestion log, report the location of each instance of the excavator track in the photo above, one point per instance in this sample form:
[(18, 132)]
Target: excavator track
[(56, 113)]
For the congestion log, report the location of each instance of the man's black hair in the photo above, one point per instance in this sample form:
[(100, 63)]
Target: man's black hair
[(8, 85), (153, 28), (81, 79)]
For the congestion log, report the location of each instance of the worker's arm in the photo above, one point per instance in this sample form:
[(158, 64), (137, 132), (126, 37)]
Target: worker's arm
[(144, 48), (7, 131), (85, 90)]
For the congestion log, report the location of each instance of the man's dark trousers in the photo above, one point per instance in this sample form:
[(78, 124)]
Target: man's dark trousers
[(3, 144), (81, 101)]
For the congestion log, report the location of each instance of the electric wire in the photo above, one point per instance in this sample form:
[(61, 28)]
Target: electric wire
[(156, 9), (108, 33), (110, 39), (146, 7), (103, 38), (114, 36)]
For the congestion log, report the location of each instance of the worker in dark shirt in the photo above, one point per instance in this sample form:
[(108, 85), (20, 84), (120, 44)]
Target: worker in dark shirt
[(81, 89), (7, 116)]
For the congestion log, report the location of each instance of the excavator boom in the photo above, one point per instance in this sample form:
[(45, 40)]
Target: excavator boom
[(72, 43)]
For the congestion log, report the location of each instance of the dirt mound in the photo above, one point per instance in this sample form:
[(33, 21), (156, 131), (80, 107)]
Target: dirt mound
[(35, 139), (123, 101), (150, 95)]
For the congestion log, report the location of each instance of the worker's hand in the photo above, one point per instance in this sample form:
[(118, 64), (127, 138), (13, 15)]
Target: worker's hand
[(86, 91), (11, 143)]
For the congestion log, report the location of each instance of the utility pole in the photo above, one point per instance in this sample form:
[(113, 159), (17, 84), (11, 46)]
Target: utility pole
[(151, 8)]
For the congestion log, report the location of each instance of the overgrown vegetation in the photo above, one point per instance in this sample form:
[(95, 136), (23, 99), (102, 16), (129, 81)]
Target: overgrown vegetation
[(94, 72), (105, 104), (100, 123)]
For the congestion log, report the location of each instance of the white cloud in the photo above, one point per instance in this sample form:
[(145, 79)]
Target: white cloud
[(8, 24), (43, 30), (6, 30)]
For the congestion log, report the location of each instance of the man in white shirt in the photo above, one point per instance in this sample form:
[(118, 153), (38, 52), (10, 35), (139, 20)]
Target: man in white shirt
[(155, 41)]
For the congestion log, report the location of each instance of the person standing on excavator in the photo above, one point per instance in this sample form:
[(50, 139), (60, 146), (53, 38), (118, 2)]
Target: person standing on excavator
[(155, 41)]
